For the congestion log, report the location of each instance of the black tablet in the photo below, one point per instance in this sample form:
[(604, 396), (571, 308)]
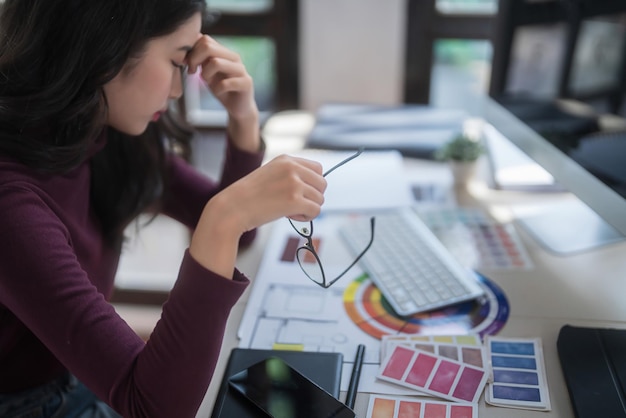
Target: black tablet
[(282, 392)]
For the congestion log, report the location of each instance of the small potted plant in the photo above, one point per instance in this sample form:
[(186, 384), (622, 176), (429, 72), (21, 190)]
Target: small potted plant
[(461, 152)]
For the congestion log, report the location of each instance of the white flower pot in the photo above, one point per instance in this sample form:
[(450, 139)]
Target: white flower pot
[(463, 172)]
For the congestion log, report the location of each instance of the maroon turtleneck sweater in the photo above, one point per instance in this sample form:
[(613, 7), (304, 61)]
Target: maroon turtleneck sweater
[(56, 276)]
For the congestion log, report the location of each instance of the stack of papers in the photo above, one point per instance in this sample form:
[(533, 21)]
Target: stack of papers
[(414, 130)]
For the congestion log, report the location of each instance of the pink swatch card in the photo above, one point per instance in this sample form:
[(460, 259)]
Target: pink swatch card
[(403, 407), (464, 348), (433, 374)]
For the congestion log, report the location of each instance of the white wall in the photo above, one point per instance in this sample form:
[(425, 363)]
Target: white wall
[(351, 50)]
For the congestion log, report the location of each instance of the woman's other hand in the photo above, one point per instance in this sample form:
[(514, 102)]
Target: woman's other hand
[(227, 78)]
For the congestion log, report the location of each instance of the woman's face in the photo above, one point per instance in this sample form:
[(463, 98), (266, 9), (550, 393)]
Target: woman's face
[(141, 91)]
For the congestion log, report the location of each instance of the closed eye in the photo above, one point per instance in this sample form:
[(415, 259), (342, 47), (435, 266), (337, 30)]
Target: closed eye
[(181, 67)]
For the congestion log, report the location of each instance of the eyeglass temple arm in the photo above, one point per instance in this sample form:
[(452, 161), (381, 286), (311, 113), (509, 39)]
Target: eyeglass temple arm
[(350, 158)]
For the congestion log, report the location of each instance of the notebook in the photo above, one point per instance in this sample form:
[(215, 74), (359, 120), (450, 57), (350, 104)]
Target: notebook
[(322, 368), (594, 367)]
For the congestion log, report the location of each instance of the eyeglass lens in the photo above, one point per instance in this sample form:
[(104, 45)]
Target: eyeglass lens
[(312, 266)]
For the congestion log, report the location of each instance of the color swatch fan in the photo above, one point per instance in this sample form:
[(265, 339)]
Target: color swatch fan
[(433, 374), (475, 239)]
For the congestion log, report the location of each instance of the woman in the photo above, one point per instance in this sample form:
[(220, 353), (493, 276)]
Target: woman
[(84, 91)]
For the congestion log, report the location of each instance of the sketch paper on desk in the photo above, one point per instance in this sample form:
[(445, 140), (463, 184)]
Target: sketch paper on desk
[(374, 180), (286, 310)]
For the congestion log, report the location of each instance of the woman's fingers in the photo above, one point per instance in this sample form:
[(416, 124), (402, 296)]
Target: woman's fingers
[(213, 67), (206, 48), (226, 77), (286, 186), (308, 190)]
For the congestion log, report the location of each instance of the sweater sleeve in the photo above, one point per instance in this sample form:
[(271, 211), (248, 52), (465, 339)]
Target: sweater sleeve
[(189, 190), (44, 286)]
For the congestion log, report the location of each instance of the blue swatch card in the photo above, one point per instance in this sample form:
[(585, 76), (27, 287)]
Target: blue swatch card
[(518, 377)]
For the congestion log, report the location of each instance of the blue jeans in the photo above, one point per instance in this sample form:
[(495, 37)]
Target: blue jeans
[(65, 397)]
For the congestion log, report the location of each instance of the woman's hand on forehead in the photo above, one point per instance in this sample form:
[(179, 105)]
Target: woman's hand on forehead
[(225, 75), (229, 81)]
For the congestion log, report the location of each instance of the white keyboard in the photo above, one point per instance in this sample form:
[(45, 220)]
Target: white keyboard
[(409, 265)]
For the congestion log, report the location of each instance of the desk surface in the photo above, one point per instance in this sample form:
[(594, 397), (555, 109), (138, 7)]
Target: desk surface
[(584, 289)]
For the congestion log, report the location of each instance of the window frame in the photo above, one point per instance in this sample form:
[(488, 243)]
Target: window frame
[(425, 25)]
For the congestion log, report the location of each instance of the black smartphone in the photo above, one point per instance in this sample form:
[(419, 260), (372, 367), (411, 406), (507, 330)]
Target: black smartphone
[(283, 392)]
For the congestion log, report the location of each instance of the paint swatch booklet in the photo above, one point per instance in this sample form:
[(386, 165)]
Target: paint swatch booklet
[(518, 374), (459, 368), (442, 366)]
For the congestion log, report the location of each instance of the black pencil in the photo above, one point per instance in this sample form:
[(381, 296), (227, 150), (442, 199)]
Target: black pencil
[(354, 377)]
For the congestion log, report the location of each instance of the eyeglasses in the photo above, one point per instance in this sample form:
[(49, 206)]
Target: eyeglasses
[(307, 256)]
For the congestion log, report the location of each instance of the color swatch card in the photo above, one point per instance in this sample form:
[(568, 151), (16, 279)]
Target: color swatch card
[(464, 348), (518, 374), (433, 374), (405, 407), (476, 240)]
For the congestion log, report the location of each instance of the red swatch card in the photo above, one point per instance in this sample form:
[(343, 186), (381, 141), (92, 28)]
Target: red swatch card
[(433, 374)]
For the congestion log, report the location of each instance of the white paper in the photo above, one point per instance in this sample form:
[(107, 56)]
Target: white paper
[(374, 180)]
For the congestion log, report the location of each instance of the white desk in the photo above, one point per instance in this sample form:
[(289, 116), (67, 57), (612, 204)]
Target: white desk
[(586, 289)]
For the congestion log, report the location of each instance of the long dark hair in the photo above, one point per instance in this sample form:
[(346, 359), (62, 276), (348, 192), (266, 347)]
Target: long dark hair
[(55, 57)]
